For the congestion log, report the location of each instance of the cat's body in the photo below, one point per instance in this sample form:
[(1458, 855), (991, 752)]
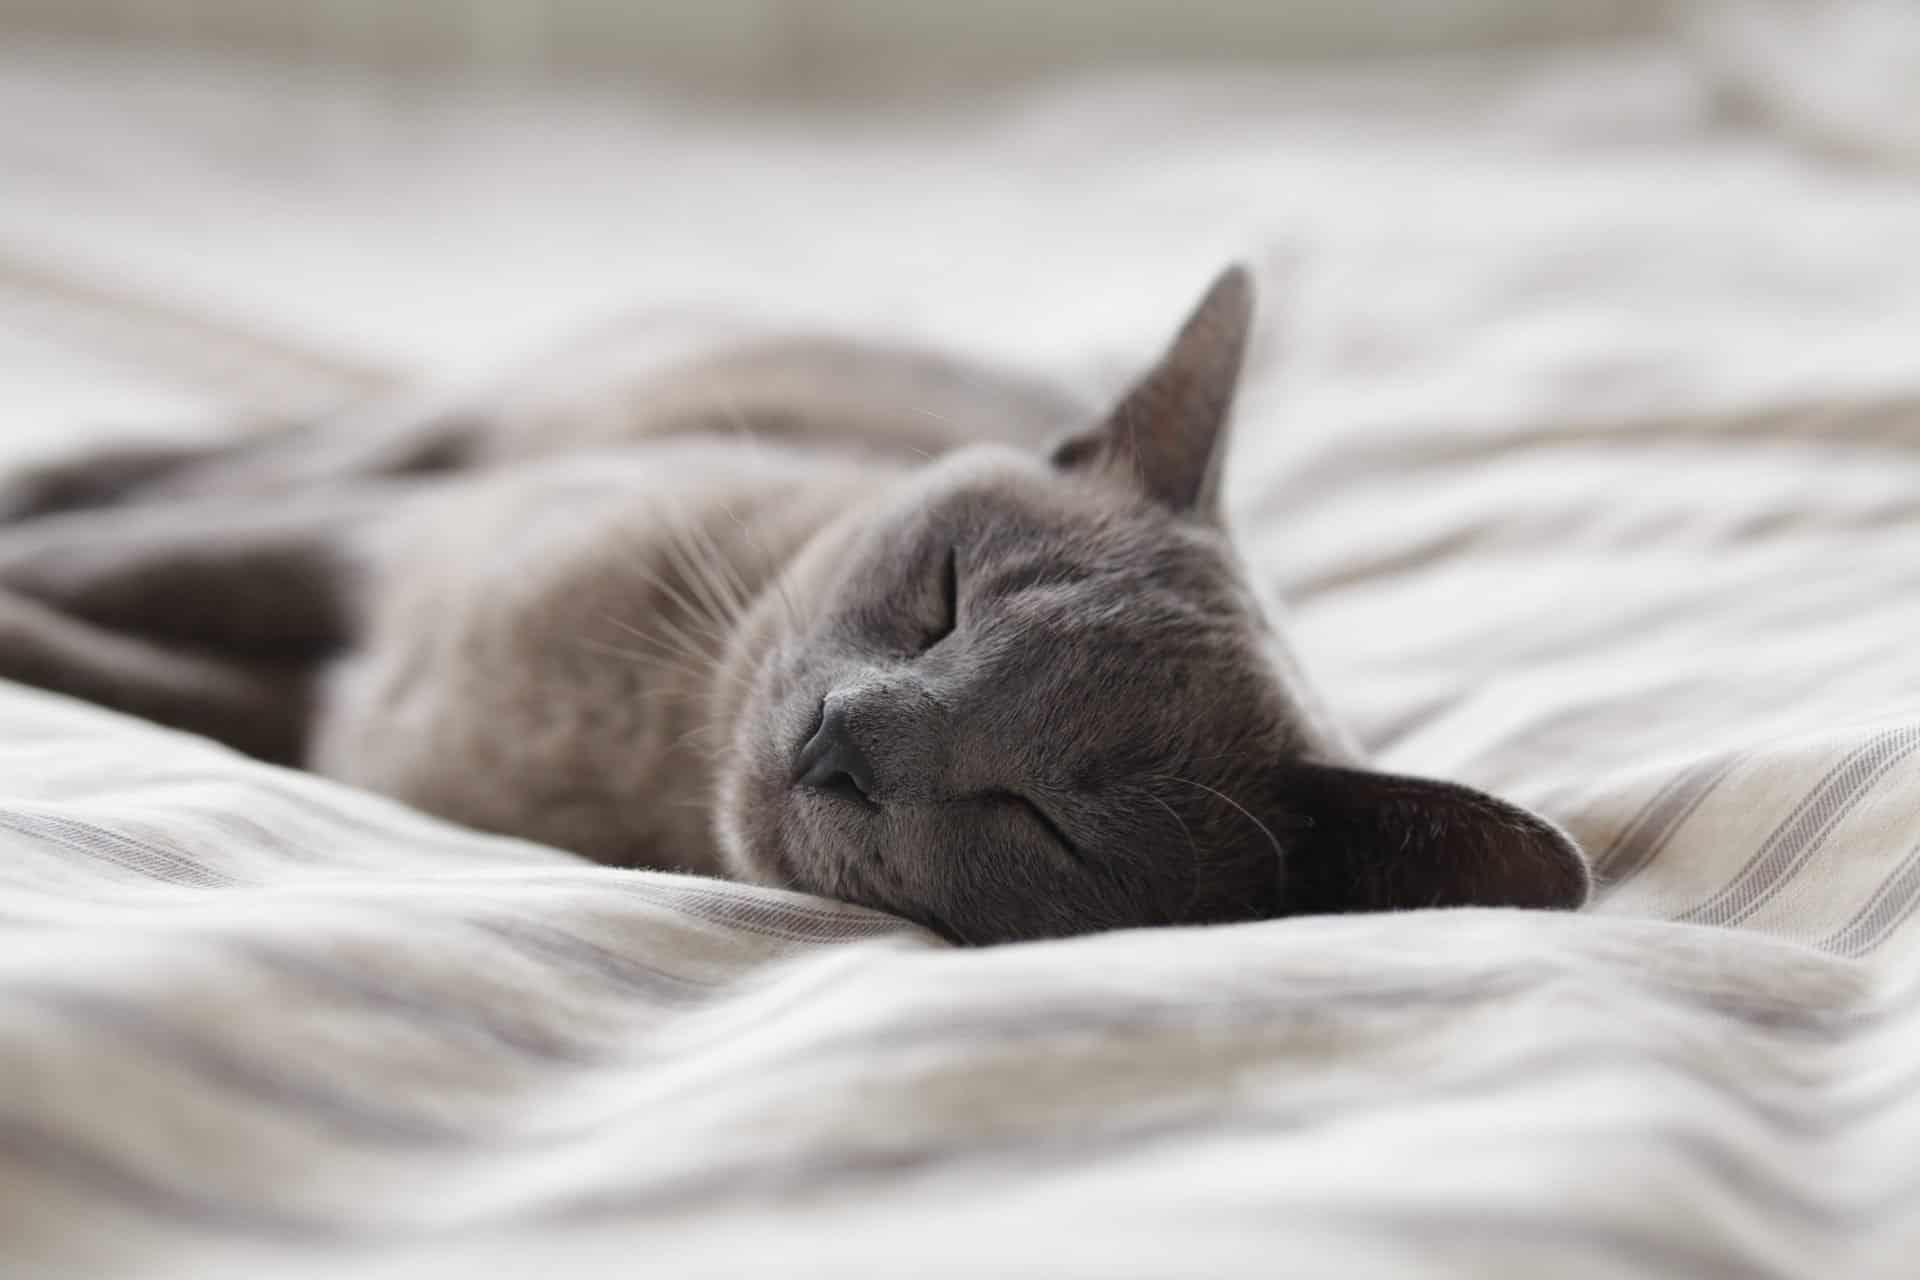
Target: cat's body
[(773, 612)]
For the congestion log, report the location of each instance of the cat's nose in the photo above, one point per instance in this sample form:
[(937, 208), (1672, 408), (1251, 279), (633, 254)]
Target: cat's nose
[(832, 760)]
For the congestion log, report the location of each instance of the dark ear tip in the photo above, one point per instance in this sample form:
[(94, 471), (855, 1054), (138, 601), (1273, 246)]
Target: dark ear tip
[(1231, 293), (1569, 883), (1529, 861)]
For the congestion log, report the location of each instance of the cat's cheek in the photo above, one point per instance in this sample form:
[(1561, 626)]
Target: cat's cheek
[(836, 847), (749, 811)]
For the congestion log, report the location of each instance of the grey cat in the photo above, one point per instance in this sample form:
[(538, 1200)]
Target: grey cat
[(804, 613)]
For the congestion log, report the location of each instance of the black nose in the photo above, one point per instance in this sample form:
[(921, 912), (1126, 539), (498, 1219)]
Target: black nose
[(831, 760)]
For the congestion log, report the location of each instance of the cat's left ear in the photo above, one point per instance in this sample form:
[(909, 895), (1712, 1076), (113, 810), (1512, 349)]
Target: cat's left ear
[(1168, 435)]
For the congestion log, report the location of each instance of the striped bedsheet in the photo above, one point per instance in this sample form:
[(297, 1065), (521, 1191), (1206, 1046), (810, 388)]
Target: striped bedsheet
[(251, 1023), (1584, 441)]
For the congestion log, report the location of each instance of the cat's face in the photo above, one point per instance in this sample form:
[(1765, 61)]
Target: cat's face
[(1029, 697)]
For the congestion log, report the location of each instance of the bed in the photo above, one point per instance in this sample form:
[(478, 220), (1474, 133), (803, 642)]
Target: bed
[(1583, 438)]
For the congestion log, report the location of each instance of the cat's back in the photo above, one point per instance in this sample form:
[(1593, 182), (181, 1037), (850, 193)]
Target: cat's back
[(846, 394)]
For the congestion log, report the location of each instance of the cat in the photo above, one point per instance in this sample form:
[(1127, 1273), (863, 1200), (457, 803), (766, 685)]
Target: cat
[(844, 618)]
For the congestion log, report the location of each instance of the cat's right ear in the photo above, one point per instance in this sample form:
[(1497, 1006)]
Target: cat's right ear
[(1168, 435), (1364, 841)]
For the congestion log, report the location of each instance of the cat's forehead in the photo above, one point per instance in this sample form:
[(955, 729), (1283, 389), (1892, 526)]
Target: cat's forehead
[(1144, 671), (1013, 509), (1137, 624)]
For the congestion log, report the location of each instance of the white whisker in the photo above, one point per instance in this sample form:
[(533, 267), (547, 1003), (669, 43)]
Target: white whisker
[(1264, 829)]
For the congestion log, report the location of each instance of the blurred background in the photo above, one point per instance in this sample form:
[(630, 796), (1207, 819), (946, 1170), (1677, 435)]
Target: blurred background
[(211, 207), (817, 48)]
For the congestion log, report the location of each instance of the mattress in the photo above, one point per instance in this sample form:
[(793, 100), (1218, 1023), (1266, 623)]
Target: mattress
[(1583, 437)]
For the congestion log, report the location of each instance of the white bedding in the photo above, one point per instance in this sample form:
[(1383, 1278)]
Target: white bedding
[(1585, 438)]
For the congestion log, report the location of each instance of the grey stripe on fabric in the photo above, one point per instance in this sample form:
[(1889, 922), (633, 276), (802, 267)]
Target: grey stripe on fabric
[(1643, 838), (1889, 907), (789, 921), (111, 846), (1802, 833)]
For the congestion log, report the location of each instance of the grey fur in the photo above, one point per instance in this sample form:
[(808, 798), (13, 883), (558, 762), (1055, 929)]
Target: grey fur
[(697, 617)]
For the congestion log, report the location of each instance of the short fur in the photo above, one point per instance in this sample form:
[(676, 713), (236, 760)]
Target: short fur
[(805, 613)]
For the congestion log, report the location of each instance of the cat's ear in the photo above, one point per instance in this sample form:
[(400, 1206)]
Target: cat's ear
[(1168, 433), (1379, 842)]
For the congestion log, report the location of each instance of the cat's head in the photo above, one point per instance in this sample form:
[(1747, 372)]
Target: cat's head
[(1026, 696)]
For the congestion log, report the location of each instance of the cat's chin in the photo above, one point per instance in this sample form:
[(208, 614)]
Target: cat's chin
[(819, 829)]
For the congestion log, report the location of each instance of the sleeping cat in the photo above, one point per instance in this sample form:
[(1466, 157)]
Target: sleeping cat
[(804, 613)]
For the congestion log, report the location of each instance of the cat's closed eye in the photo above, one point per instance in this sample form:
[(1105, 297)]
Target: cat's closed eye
[(947, 608), (1040, 819)]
